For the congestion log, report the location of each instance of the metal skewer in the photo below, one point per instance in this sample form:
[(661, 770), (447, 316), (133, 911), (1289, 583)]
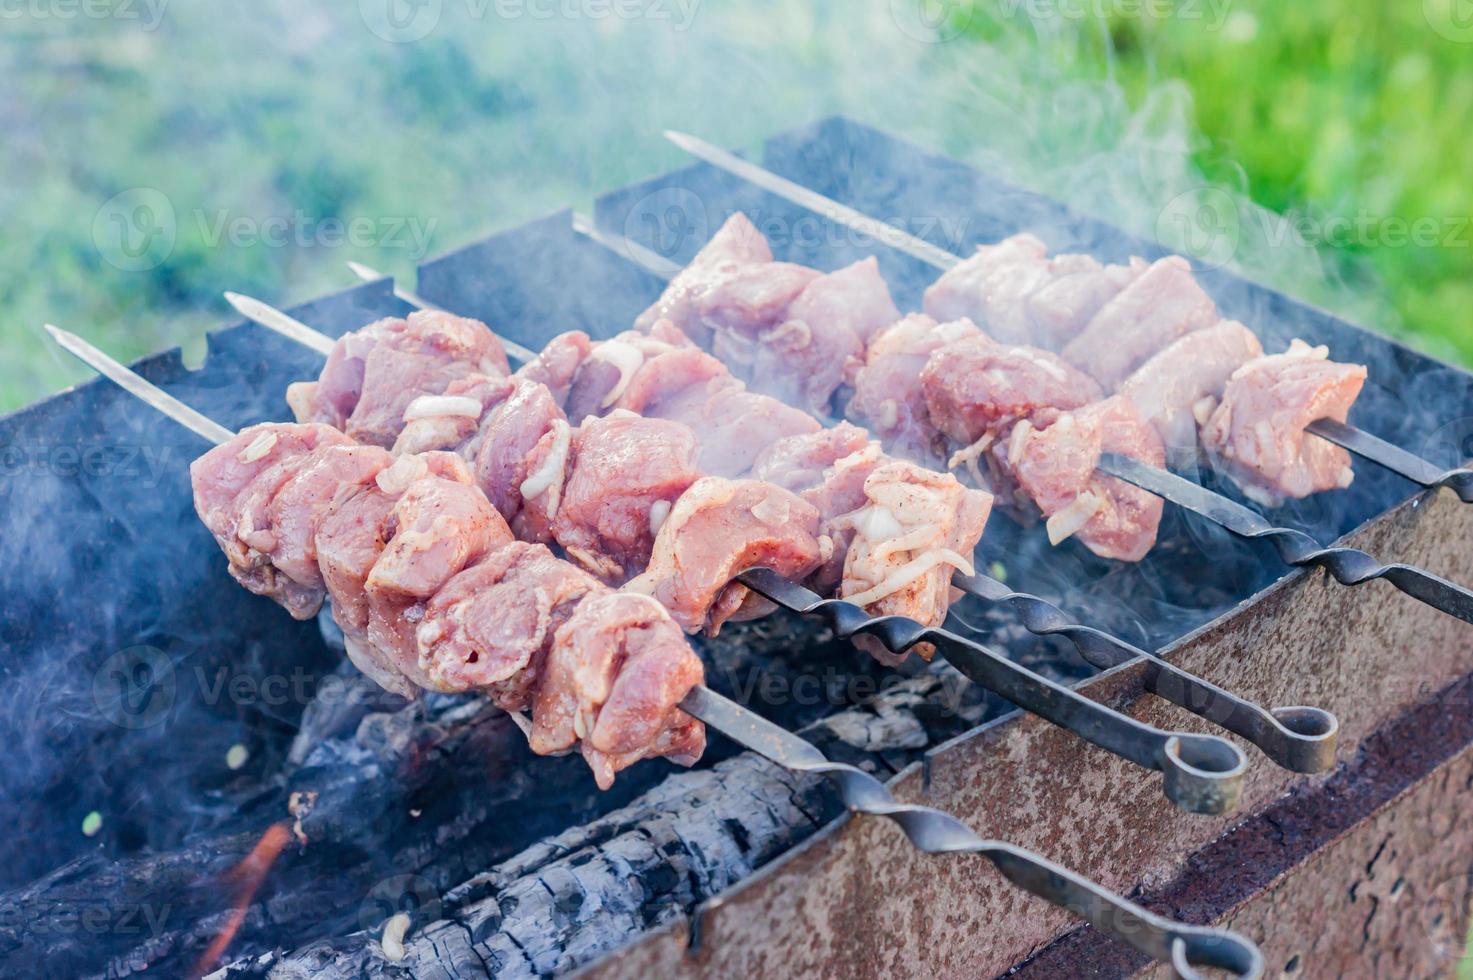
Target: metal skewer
[(1363, 444), (1202, 772), (928, 829), (1298, 738)]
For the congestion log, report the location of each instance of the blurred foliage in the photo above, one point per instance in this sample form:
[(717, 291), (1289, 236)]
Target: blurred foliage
[(293, 115), (1348, 118)]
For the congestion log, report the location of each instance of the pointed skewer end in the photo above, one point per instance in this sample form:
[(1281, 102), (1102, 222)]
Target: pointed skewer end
[(366, 272)]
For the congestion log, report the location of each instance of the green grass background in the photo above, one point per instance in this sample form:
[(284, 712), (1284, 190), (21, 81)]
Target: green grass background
[(1302, 113), (277, 108)]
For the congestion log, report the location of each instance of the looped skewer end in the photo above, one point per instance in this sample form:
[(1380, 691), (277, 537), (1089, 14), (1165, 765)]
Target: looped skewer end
[(1203, 773), (936, 832), (1300, 739)]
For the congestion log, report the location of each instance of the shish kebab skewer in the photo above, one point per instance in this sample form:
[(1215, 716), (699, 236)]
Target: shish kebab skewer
[(932, 831), (1202, 773), (1363, 444), (1299, 738), (1348, 566)]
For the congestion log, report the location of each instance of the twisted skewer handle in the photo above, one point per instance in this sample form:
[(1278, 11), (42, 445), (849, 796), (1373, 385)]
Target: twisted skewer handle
[(1202, 773), (1299, 738), (935, 832), (1348, 566)]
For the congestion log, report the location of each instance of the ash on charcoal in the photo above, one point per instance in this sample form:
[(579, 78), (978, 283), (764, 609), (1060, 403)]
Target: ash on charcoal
[(567, 900)]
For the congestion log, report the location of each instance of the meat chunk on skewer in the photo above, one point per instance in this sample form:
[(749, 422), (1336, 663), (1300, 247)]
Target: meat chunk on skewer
[(736, 245), (976, 389), (990, 288), (616, 672), (1257, 435), (827, 469), (609, 367), (437, 527), (717, 529), (235, 485), (351, 539), (819, 340), (625, 475), (917, 528), (1161, 305), (733, 425), (557, 363), (601, 668), (889, 395), (1185, 380), (1078, 287), (490, 627), (289, 534), (785, 329), (521, 459), (373, 374), (1057, 468)]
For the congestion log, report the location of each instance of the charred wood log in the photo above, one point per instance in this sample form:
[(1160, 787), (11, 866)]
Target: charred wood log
[(568, 899)]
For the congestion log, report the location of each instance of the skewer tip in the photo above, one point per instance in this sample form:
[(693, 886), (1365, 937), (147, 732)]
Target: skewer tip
[(366, 272)]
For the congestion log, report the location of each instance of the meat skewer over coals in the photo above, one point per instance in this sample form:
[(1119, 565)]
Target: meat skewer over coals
[(1078, 294), (929, 830), (829, 470), (722, 524)]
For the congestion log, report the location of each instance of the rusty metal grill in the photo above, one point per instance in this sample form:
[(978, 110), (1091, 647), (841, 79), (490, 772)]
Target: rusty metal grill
[(78, 530)]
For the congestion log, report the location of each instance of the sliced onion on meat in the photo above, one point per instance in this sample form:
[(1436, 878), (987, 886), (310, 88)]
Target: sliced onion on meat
[(431, 406), (397, 478), (258, 448), (659, 510), (1065, 523), (626, 357), (1018, 440), (877, 524), (552, 468), (908, 573), (771, 510)]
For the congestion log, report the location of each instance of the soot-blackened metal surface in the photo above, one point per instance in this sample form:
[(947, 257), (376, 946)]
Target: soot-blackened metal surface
[(120, 622)]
